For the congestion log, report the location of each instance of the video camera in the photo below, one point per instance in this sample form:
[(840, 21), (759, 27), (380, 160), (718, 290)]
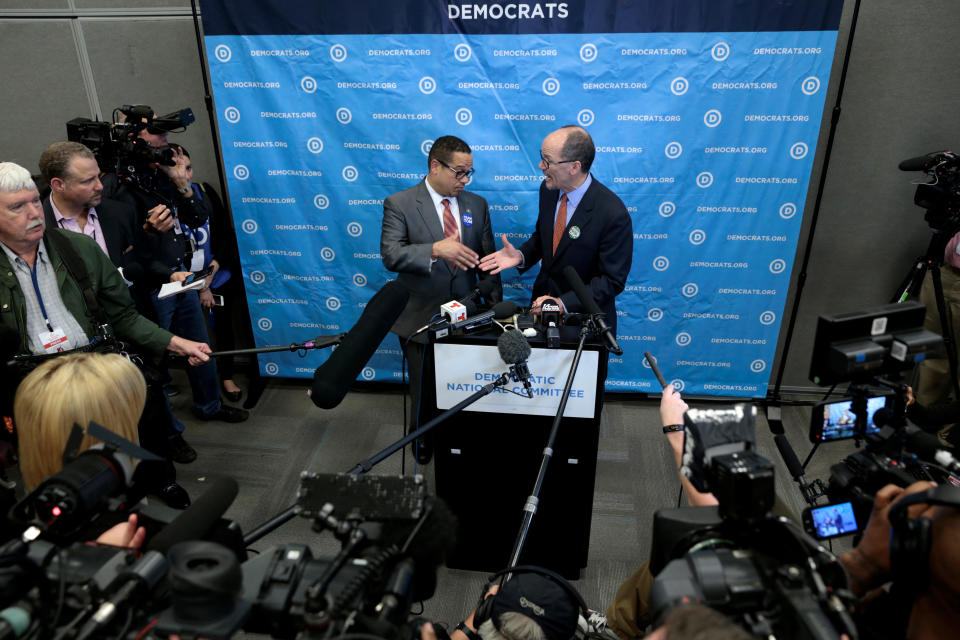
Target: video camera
[(941, 196), (116, 144), (761, 571), (392, 535)]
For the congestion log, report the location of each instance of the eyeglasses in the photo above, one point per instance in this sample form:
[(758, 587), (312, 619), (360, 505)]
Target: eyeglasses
[(460, 175), (547, 163)]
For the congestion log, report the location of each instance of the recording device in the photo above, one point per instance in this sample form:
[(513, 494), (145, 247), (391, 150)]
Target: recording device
[(761, 571), (453, 311), (830, 520), (198, 275), (941, 196), (333, 378), (835, 420), (116, 145), (217, 300), (586, 299), (550, 323)]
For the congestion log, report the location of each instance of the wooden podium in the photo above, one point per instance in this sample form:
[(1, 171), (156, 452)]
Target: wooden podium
[(487, 456)]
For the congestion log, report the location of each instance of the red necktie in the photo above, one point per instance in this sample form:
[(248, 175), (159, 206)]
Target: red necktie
[(561, 223), (449, 226)]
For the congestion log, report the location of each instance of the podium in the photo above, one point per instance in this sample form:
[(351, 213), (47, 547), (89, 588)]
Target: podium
[(487, 456)]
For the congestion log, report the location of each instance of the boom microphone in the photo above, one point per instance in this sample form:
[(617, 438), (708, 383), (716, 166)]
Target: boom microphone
[(333, 378), (586, 299), (923, 163), (199, 517), (515, 350)]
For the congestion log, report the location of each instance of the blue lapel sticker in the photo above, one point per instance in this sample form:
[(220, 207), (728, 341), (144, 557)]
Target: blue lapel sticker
[(467, 219)]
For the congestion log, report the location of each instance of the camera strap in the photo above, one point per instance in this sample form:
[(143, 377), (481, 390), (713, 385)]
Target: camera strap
[(79, 273)]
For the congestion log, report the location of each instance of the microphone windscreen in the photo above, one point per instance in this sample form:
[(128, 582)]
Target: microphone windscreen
[(198, 518), (513, 347), (789, 456), (583, 294), (333, 378), (504, 310)]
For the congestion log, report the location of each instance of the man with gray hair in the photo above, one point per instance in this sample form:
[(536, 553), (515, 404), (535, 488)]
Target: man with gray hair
[(59, 291)]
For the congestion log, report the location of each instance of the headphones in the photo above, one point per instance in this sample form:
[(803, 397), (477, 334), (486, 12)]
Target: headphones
[(910, 538), (485, 606)]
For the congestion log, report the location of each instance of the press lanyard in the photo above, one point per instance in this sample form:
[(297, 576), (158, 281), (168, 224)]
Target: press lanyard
[(36, 288)]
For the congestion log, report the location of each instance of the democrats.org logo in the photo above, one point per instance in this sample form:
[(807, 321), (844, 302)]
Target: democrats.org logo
[(661, 263), (768, 317), (308, 84), (462, 52), (333, 303), (679, 86), (788, 210), (368, 373), (677, 384), (464, 116), (240, 172), (271, 368), (359, 279), (257, 277), (655, 314), (350, 173), (425, 147), (585, 118), (757, 366), (720, 51), (249, 226), (810, 85), (712, 118), (427, 85), (338, 53), (667, 209), (551, 86), (314, 145), (673, 150), (697, 236), (799, 150), (354, 229), (704, 179), (683, 339), (327, 254), (265, 324), (231, 114), (689, 290), (588, 52), (344, 116), (321, 201), (778, 266), (222, 53)]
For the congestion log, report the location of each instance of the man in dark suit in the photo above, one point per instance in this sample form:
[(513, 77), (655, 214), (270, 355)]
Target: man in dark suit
[(581, 223), (433, 235)]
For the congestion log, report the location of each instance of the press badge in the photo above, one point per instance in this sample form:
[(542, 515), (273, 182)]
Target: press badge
[(196, 260), (52, 341), (467, 220)]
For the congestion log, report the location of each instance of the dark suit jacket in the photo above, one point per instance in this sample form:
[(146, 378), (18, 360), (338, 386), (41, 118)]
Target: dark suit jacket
[(410, 227), (116, 222), (601, 254)]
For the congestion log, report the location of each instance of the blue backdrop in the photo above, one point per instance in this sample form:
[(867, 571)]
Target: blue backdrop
[(705, 115)]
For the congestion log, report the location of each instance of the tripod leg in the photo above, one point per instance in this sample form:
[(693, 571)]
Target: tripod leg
[(910, 287), (947, 329)]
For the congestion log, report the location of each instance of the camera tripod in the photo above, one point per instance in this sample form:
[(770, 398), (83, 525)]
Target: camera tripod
[(931, 261)]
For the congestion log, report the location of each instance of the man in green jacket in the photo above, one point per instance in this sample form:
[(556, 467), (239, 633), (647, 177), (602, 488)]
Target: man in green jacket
[(42, 303)]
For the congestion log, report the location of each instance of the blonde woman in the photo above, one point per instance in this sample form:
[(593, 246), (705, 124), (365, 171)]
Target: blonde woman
[(77, 388)]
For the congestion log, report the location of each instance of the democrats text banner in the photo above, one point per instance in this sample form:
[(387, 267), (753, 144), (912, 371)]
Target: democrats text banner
[(705, 114)]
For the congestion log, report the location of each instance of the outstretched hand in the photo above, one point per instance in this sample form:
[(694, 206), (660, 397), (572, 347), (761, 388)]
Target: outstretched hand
[(505, 258)]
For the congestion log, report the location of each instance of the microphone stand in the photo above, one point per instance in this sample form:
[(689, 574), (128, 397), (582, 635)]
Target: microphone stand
[(515, 373), (320, 342), (530, 507)]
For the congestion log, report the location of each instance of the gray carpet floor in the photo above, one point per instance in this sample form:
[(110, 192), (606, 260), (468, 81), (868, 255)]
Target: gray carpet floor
[(287, 434)]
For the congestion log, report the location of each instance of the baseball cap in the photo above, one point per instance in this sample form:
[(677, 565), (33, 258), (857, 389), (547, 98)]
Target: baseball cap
[(541, 599)]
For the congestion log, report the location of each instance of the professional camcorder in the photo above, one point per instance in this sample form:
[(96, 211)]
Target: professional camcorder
[(760, 570), (116, 145), (53, 584), (941, 196)]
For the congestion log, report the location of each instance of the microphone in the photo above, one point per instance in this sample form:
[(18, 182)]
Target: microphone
[(484, 290), (929, 448), (505, 310), (810, 491), (199, 517), (923, 163), (333, 378), (442, 328), (134, 583), (586, 299), (515, 350)]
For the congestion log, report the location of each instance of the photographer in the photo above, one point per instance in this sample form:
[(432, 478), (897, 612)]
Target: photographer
[(922, 560), (165, 199), (78, 388)]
